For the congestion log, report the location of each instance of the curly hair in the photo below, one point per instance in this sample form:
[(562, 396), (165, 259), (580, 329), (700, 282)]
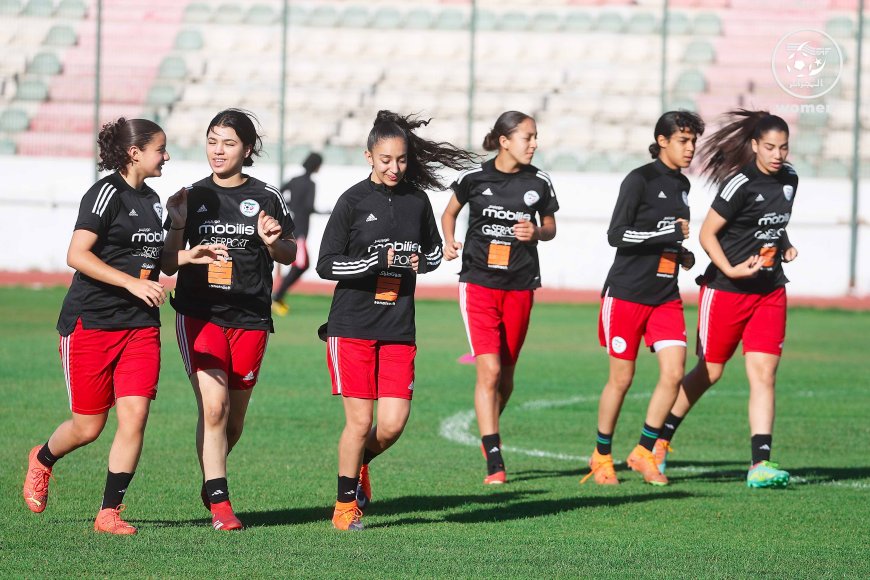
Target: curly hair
[(424, 156), (116, 138), (730, 148)]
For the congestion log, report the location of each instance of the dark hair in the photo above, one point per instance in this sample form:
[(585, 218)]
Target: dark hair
[(116, 138), (730, 148), (506, 124), (312, 163), (243, 123), (674, 122), (423, 156)]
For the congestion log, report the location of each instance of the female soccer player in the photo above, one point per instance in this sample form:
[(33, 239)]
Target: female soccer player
[(640, 296), (223, 309), (381, 234), (500, 269), (743, 290), (301, 204), (109, 322)]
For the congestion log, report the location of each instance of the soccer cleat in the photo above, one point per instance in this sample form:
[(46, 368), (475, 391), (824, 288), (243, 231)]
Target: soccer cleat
[(347, 516), (363, 488), (660, 452), (280, 308), (109, 521), (497, 478), (766, 474), (203, 495), (601, 466), (223, 517), (466, 359), (643, 461), (36, 483)]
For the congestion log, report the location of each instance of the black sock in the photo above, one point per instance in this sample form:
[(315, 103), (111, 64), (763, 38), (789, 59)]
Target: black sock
[(46, 457), (116, 487), (670, 427), (761, 445), (368, 456), (347, 488), (648, 437), (603, 444), (492, 448), (218, 490)]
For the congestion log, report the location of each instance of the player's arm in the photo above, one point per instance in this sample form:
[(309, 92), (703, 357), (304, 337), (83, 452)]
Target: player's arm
[(713, 224), (432, 252), (333, 263), (789, 252), (282, 248), (80, 256), (623, 233), (526, 231), (448, 226)]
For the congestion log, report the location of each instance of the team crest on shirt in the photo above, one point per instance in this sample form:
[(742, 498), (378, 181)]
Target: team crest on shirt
[(788, 192), (531, 197), (686, 198), (158, 209), (249, 207)]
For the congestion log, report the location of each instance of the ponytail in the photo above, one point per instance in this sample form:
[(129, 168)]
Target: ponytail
[(116, 138), (423, 156), (730, 148), (504, 126)]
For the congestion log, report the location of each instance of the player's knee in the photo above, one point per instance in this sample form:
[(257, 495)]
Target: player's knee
[(391, 430), (215, 413), (671, 377), (88, 432)]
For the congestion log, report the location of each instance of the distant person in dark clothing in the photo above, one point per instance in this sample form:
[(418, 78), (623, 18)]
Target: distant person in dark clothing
[(301, 191)]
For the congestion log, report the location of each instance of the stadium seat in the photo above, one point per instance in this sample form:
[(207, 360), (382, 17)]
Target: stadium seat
[(188, 40), (678, 23), (699, 52), (560, 162), (14, 120), (197, 13), (578, 22), (841, 27), (545, 22), (323, 17), (7, 147), (690, 82), (834, 168), (707, 24), (451, 19), (44, 63), (297, 15), (487, 20), (513, 21), (161, 95), (419, 18), (609, 22), (642, 23), (10, 8), (228, 13), (31, 90), (387, 18), (40, 8), (808, 143), (172, 67), (262, 15), (354, 17), (71, 9), (60, 35), (598, 162)]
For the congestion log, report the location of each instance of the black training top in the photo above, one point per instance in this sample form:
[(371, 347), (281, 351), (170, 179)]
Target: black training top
[(301, 203), (236, 293), (129, 239), (644, 232), (372, 301), (757, 208), (492, 256)]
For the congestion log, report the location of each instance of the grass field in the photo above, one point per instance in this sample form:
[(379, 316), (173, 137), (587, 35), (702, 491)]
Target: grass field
[(431, 516)]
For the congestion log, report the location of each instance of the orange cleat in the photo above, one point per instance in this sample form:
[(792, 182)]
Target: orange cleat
[(497, 478), (363, 488), (223, 517), (660, 452), (347, 517), (109, 521), (601, 466), (36, 483), (643, 461)]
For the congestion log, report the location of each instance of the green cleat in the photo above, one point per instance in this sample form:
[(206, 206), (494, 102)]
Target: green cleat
[(766, 474)]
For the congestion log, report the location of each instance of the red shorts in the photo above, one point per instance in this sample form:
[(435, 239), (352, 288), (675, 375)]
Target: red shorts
[(726, 318), (371, 369), (238, 352), (496, 321), (621, 324), (101, 365)]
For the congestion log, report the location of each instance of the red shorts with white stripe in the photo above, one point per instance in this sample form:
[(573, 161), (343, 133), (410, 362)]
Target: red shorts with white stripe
[(101, 365), (622, 323), (238, 352), (496, 321), (371, 369), (301, 260), (726, 318)]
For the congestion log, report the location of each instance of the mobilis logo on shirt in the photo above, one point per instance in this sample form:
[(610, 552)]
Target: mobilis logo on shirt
[(500, 213), (215, 232), (403, 251)]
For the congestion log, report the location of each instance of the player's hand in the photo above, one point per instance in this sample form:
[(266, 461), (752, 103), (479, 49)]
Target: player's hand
[(415, 262), (150, 292), (748, 268), (391, 255), (684, 227), (207, 253), (451, 250), (789, 255), (687, 259), (525, 231), (268, 228), (176, 207)]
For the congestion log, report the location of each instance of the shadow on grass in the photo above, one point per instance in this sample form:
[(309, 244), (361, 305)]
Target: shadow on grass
[(533, 474), (830, 474)]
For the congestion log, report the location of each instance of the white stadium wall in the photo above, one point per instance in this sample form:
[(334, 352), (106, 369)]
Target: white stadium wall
[(39, 200)]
